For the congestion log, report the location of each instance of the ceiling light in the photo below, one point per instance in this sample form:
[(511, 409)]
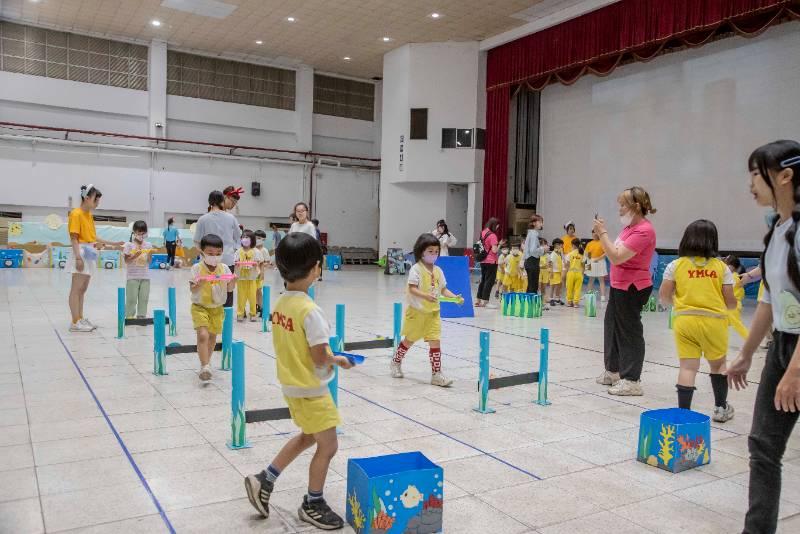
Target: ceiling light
[(259, 42), (387, 39), (155, 22), (347, 58), (290, 19), (435, 15)]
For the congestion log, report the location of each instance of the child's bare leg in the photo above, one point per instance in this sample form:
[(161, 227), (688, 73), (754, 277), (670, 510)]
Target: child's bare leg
[(293, 448), (202, 341), (327, 445), (210, 344)]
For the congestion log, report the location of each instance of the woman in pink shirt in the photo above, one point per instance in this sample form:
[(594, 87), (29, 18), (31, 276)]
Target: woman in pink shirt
[(489, 264), (631, 284)]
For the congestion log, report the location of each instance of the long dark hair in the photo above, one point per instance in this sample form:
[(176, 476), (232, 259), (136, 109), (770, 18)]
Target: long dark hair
[(769, 159), (493, 225), (441, 222), (216, 198), (700, 239)]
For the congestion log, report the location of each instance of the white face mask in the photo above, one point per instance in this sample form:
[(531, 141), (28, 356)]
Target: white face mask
[(212, 261), (259, 242), (626, 219)]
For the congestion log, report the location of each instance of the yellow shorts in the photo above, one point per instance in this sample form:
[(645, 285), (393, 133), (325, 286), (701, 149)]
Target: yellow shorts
[(555, 279), (314, 414), (421, 325), (544, 276), (697, 336), (210, 318)]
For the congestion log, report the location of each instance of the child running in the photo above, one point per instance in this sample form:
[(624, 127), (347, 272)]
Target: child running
[(208, 297), (699, 286), (575, 262), (136, 254), (556, 266), (426, 283), (735, 316), (247, 270), (305, 366)]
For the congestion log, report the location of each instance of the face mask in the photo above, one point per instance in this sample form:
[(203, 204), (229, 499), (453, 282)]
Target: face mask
[(259, 242), (138, 238), (246, 242), (212, 261), (504, 251), (626, 219), (770, 216), (430, 259)]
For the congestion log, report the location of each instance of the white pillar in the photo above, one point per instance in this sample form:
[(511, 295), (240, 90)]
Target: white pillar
[(304, 107), (157, 67)]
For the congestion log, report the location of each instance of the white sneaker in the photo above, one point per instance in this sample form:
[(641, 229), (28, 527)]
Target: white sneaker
[(607, 378), (396, 369), (253, 319), (438, 379), (491, 306), (88, 323), (80, 326), (205, 373), (723, 414), (626, 388), (240, 319)]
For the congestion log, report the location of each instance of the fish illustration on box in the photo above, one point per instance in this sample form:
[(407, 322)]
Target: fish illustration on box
[(395, 494)]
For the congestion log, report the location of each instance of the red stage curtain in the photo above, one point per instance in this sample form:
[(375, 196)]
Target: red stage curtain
[(597, 43)]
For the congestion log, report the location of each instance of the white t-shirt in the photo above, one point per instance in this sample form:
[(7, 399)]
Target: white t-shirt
[(305, 228), (318, 330), (138, 269), (782, 294), (415, 279), (262, 255), (554, 263)]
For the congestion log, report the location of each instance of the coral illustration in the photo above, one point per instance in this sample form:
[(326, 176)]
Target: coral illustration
[(691, 449), (382, 522), (432, 502), (667, 439), (355, 508), (705, 457)]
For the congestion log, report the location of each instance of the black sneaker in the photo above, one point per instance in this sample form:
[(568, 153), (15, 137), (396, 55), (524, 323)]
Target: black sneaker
[(319, 514), (258, 310), (258, 491)]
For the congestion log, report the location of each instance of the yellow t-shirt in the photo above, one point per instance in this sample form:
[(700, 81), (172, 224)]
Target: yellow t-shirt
[(575, 260), (698, 286), (297, 325), (82, 223), (543, 262), (427, 282), (211, 294), (567, 239), (594, 249), (512, 265), (247, 272)]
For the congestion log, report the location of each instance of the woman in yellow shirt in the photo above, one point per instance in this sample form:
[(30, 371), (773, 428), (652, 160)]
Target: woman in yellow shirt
[(82, 261), (596, 265)]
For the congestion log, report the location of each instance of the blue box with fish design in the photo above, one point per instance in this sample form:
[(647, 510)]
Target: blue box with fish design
[(674, 439), (158, 261), (395, 494), (10, 258)]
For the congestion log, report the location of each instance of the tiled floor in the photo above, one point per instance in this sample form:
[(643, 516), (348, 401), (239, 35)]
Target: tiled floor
[(566, 468)]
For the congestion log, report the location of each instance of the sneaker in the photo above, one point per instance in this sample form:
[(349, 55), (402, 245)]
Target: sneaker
[(258, 491), (603, 299), (626, 388), (723, 414), (205, 373), (319, 514), (80, 326), (560, 302), (491, 306), (88, 323), (396, 369), (552, 303), (438, 379), (607, 378), (253, 318), (569, 304), (240, 318)]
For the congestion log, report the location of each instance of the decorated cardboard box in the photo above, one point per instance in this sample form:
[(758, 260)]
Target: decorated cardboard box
[(10, 258), (333, 262), (158, 261), (35, 260), (674, 439), (109, 259), (395, 494), (59, 255)]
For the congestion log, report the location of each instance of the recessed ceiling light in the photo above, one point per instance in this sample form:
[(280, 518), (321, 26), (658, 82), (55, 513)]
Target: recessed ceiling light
[(435, 15), (259, 42), (347, 58), (387, 39), (155, 22), (290, 19)]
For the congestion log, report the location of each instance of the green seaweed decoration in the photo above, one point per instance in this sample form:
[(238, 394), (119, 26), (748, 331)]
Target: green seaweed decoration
[(159, 367), (238, 427), (666, 442), (375, 506), (644, 445)]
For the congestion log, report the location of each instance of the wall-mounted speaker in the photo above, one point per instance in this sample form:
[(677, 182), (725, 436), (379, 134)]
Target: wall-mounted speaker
[(255, 189)]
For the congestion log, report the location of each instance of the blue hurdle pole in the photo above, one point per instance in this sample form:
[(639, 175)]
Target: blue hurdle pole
[(265, 309), (398, 323), (227, 340), (159, 343), (238, 418), (544, 349), (120, 312), (312, 292), (483, 376), (333, 385), (340, 327), (173, 312)]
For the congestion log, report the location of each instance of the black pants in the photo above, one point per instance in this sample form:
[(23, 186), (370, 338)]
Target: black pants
[(623, 337), (488, 277), (171, 246), (767, 441), (532, 268), (229, 298)]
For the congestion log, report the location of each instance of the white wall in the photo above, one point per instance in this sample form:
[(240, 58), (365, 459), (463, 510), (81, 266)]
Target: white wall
[(682, 126), (409, 209)]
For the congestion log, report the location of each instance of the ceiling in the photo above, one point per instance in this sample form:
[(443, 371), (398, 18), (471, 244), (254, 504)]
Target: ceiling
[(324, 31)]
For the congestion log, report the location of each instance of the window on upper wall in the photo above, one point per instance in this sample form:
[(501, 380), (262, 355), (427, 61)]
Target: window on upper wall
[(229, 81), (69, 56), (341, 97)]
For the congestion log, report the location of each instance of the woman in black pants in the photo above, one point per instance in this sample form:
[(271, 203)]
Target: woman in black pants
[(170, 235), (532, 252), (489, 264), (631, 285)]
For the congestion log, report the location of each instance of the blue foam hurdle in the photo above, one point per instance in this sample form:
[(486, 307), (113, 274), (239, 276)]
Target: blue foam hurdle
[(456, 271)]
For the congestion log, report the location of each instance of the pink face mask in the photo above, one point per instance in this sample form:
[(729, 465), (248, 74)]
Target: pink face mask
[(246, 242), (430, 259)]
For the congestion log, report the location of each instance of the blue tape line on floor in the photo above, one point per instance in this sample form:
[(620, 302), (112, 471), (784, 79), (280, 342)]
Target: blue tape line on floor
[(161, 511), (446, 435)]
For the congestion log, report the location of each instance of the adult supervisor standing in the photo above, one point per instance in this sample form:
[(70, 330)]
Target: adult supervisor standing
[(532, 251), (223, 224), (631, 284), (170, 235)]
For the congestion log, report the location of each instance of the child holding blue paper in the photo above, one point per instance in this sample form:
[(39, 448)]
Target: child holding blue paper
[(300, 335), (426, 284)]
